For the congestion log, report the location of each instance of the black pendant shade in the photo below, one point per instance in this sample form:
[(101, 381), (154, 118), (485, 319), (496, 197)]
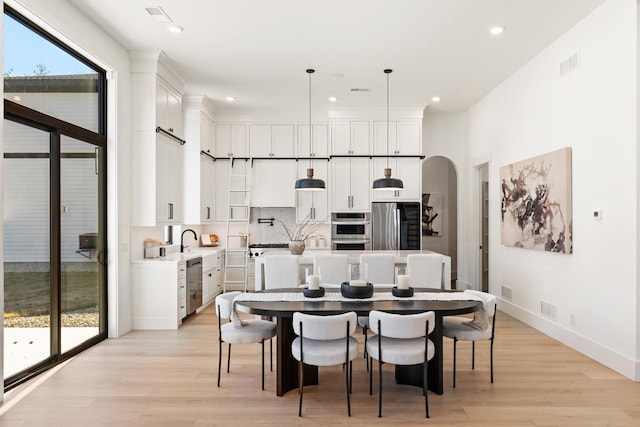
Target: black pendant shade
[(310, 183), (387, 183)]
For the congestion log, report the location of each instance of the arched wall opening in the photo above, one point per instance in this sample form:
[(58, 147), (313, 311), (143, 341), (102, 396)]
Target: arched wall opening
[(440, 209)]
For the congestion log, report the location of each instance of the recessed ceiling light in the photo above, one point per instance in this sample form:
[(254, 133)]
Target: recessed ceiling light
[(175, 28), (229, 98), (435, 99), (496, 30), (332, 99)]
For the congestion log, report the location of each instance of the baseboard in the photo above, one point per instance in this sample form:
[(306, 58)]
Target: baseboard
[(610, 358)]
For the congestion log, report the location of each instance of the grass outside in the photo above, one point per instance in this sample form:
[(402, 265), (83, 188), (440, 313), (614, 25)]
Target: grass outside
[(27, 298)]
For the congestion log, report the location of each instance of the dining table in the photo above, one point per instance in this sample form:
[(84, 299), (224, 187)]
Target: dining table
[(282, 303)]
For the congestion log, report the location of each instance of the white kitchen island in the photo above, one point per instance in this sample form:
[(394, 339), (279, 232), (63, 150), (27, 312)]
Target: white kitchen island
[(306, 261)]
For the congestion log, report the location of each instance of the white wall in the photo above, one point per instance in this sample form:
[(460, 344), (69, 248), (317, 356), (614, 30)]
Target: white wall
[(592, 109), (446, 135), (72, 27)]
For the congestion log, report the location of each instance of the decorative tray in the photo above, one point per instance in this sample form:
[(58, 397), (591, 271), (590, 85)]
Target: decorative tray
[(403, 293), (313, 293), (349, 291)]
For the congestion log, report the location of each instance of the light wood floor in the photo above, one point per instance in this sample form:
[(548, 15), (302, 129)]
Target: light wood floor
[(168, 378)]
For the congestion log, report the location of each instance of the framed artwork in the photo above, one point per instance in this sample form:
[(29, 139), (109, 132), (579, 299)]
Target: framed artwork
[(537, 203), (432, 214)]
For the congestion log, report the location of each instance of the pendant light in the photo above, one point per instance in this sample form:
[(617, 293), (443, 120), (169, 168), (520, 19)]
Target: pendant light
[(387, 183), (310, 183)]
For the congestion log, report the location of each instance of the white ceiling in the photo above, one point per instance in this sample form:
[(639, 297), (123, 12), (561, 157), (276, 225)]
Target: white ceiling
[(258, 50)]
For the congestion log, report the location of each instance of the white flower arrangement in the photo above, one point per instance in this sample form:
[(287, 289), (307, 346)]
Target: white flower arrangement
[(302, 230)]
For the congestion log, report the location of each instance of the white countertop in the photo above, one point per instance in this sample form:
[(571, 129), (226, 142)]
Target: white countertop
[(177, 256), (354, 256)]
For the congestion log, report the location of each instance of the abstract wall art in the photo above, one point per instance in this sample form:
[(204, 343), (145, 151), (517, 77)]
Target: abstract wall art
[(432, 214), (536, 203)]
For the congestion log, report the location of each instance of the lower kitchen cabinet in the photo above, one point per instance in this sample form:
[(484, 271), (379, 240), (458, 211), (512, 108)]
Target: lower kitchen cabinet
[(211, 277), (159, 294)]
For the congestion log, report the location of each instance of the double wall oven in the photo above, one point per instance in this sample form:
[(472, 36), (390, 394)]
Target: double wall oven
[(350, 231)]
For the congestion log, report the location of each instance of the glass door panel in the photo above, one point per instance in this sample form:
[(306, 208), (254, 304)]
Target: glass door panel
[(27, 265), (80, 241)]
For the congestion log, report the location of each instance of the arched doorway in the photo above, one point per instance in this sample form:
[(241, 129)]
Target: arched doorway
[(440, 209)]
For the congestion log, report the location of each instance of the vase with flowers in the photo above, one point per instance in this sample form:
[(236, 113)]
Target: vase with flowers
[(299, 233)]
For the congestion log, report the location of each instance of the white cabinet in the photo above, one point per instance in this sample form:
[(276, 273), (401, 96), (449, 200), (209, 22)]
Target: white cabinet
[(156, 177), (312, 205), (409, 170), (350, 184), (168, 108), (350, 137), (320, 141), (231, 140), (207, 190), (222, 194), (273, 183), (271, 140), (168, 180), (211, 277), (405, 138), (159, 294)]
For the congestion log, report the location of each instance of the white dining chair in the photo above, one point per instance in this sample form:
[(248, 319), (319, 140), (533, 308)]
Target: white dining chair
[(281, 271), (379, 270), (332, 268), (401, 340), (325, 341), (248, 331), (425, 270), (462, 329)]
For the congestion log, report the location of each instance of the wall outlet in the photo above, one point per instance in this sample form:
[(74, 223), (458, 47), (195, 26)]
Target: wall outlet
[(548, 310)]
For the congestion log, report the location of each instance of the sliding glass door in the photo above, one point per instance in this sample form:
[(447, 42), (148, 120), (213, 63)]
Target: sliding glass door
[(54, 222)]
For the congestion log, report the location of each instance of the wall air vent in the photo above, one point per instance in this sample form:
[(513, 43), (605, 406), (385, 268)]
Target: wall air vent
[(506, 292), (360, 89), (569, 64), (158, 14)]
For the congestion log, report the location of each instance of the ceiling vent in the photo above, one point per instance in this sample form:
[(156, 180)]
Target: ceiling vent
[(158, 14), (569, 64), (360, 89)]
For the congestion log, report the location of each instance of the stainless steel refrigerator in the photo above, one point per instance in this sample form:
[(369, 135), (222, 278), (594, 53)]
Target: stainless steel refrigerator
[(395, 225)]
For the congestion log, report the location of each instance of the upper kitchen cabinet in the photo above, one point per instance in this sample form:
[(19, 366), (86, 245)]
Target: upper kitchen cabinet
[(350, 184), (157, 178), (405, 137), (350, 137), (231, 140), (320, 139), (271, 140), (169, 108), (312, 205), (409, 170), (198, 174)]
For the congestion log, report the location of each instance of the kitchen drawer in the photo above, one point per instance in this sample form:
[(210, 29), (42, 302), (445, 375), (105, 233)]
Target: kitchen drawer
[(182, 270), (182, 289), (182, 308)]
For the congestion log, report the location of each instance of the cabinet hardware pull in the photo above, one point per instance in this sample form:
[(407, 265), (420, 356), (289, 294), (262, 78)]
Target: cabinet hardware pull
[(208, 212), (170, 210)]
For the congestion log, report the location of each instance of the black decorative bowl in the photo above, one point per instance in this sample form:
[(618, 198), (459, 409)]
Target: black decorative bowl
[(313, 293), (402, 293), (349, 291)]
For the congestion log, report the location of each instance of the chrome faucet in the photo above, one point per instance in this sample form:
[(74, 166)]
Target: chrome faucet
[(182, 246)]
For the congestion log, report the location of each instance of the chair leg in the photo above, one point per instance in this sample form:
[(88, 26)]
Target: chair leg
[(424, 388), (300, 374), (365, 354), (219, 360), (271, 354), (379, 388), (262, 344), (455, 341), (346, 377), (473, 355)]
